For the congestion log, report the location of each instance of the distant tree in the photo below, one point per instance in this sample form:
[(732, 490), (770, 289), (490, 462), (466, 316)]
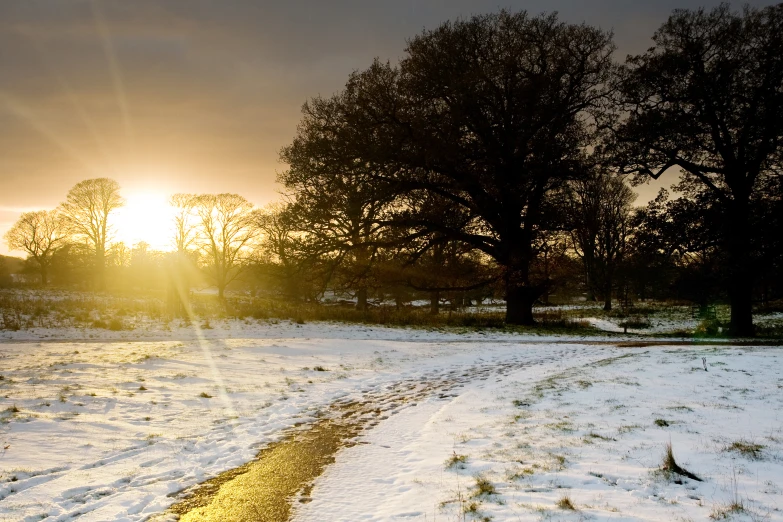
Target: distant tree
[(118, 255), (707, 98), (181, 263), (489, 113), (86, 209), (71, 265), (449, 270), (39, 234), (281, 256), (184, 221), (554, 263), (145, 270), (600, 214), (226, 230), (676, 245)]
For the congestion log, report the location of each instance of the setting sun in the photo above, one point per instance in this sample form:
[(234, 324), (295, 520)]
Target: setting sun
[(146, 216)]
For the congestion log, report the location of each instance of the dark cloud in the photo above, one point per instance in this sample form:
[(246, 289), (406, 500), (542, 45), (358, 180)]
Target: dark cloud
[(197, 95)]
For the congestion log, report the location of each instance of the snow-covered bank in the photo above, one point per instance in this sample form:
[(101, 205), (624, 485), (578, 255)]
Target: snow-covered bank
[(594, 434), (108, 429)]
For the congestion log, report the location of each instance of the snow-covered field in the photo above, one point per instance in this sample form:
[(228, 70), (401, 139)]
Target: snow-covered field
[(112, 426)]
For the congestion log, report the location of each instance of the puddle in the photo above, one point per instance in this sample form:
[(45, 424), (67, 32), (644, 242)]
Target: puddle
[(261, 489)]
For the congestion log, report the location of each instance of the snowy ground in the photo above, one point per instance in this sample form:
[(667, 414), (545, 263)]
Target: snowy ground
[(107, 427)]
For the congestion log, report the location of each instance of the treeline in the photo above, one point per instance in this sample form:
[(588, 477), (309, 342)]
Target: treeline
[(494, 160), (498, 134)]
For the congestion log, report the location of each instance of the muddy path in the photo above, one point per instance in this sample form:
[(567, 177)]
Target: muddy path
[(267, 488)]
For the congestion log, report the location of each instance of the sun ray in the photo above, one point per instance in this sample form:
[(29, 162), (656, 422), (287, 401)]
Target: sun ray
[(115, 70), (26, 114), (78, 106)]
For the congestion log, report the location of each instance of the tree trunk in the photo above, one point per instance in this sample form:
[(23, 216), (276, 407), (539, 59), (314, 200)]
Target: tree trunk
[(519, 304), (221, 290), (361, 298), (589, 266), (608, 293), (520, 294), (740, 271), (100, 268), (435, 302), (44, 276)]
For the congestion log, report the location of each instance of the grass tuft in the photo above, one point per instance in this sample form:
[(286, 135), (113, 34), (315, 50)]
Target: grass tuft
[(594, 435), (565, 503), (669, 465), (746, 448), (484, 487), (205, 395), (725, 512), (456, 461)]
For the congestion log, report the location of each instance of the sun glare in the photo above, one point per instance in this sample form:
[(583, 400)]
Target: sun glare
[(146, 216)]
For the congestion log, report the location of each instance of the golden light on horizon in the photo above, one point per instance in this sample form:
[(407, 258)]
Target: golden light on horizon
[(146, 216)]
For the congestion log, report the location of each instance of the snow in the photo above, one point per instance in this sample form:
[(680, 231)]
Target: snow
[(111, 425)]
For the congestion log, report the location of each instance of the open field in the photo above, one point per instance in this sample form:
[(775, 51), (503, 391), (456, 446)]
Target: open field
[(35, 313), (468, 425)]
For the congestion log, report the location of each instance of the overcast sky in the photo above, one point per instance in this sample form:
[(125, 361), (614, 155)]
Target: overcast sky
[(199, 96)]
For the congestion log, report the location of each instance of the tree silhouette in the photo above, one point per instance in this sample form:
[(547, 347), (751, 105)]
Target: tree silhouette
[(39, 234), (86, 209), (707, 98), (488, 113), (282, 258), (225, 232), (600, 213), (336, 198)]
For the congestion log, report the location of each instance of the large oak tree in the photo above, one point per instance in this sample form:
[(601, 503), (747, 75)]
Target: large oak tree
[(489, 114)]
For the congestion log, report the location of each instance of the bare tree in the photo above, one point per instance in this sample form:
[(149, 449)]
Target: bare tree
[(225, 231), (600, 213), (281, 249), (182, 262), (118, 255), (184, 221), (86, 209), (39, 234)]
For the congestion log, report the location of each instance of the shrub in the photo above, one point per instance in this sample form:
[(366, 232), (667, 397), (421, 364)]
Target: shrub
[(115, 324)]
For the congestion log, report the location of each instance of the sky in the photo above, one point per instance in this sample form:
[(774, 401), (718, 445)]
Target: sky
[(170, 96)]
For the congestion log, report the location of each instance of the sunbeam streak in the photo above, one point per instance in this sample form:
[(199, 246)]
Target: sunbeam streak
[(228, 406), (73, 98), (115, 70), (26, 114)]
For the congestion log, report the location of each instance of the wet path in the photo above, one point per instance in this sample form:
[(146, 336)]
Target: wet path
[(265, 489)]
